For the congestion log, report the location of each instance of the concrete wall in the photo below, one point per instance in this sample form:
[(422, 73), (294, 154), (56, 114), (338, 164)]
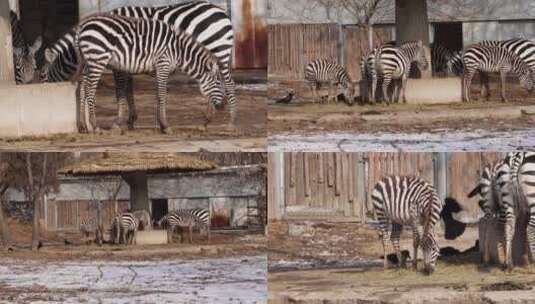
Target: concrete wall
[(88, 7), (42, 109)]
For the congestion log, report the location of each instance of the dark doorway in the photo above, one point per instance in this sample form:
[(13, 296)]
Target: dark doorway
[(159, 208), (449, 35)]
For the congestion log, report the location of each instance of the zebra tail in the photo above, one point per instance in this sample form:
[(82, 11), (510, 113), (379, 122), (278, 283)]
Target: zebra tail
[(519, 198)]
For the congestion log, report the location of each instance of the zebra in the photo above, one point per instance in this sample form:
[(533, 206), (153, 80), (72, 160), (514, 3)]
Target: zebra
[(455, 64), (440, 56), (124, 227), (206, 23), (496, 203), (367, 64), (408, 200), (395, 63), (186, 218), (486, 59), (323, 71), (23, 54), (129, 45)]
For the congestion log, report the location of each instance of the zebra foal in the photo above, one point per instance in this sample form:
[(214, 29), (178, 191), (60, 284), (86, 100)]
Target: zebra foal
[(322, 71), (395, 63), (135, 46), (490, 58), (407, 200)]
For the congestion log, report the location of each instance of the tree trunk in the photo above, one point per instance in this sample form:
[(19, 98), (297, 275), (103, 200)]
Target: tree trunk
[(7, 72), (412, 24), (35, 225), (139, 190), (3, 224)]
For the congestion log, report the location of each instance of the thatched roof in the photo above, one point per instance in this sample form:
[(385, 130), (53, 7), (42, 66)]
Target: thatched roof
[(117, 163)]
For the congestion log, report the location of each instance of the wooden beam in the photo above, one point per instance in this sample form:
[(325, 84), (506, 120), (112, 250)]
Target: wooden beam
[(7, 72)]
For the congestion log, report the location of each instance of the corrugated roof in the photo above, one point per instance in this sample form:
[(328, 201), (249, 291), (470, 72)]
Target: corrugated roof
[(130, 162)]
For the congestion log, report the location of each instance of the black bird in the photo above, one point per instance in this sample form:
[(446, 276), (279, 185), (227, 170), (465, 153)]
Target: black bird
[(393, 259), (288, 98)]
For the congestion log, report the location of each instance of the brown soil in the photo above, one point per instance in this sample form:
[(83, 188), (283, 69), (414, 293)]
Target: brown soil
[(302, 116), (54, 247), (186, 114)]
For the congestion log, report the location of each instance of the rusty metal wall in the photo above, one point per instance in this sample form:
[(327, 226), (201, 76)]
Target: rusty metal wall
[(293, 46), (250, 32)]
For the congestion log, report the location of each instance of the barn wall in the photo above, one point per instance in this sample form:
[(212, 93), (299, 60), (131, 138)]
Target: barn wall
[(340, 184)]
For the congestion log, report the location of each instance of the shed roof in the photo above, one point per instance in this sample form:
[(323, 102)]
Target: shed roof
[(116, 163)]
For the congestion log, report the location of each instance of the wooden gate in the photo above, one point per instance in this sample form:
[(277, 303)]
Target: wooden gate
[(293, 46)]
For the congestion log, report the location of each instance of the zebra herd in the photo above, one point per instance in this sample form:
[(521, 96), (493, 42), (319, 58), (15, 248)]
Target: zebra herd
[(124, 226), (390, 64), (194, 37), (506, 189)]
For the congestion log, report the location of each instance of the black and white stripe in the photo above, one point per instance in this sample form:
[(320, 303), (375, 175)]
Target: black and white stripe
[(489, 58), (60, 60), (187, 218), (323, 71), (395, 63), (367, 64), (206, 23), (133, 46), (125, 226), (455, 64), (23, 53), (407, 200), (440, 56)]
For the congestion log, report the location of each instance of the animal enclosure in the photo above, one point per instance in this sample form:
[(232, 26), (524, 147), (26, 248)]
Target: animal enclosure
[(339, 185)]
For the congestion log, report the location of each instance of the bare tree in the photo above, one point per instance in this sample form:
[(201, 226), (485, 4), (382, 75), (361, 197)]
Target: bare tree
[(364, 12), (109, 187), (4, 185)]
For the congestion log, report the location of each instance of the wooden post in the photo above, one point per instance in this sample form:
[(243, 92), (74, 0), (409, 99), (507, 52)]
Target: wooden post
[(412, 24), (7, 72), (276, 183), (139, 190)]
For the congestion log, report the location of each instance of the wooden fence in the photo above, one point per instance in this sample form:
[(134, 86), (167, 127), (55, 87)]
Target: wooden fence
[(339, 184), (293, 46)]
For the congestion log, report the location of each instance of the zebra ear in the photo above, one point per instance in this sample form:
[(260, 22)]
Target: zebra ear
[(36, 45), (475, 191)]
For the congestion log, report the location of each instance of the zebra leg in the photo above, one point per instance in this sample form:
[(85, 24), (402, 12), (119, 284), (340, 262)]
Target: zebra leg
[(394, 237), (503, 79), (403, 87), (121, 95), (374, 87), (531, 232), (162, 76), (91, 79), (415, 245), (190, 232), (132, 112), (386, 82), (467, 82), (385, 238), (509, 232), (82, 122), (485, 90)]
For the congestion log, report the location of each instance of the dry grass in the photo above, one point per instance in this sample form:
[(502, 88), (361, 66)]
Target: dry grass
[(130, 162)]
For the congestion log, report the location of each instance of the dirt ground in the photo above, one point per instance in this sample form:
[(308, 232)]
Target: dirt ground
[(186, 110), (231, 268), (341, 263), (302, 116)]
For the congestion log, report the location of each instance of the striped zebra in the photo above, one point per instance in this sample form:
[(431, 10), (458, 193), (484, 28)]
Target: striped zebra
[(323, 71), (455, 64), (145, 221), (133, 46), (186, 218), (23, 54), (440, 56), (487, 59), (395, 63), (367, 64), (408, 200), (124, 227), (206, 23)]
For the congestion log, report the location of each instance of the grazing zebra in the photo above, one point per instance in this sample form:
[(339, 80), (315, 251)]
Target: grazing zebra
[(322, 71), (455, 64), (124, 228), (440, 56), (208, 24), (23, 54), (486, 59), (395, 63), (136, 46), (186, 218), (407, 200)]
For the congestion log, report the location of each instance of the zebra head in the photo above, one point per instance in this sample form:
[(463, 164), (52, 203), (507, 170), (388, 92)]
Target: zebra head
[(25, 62), (431, 252), (212, 85)]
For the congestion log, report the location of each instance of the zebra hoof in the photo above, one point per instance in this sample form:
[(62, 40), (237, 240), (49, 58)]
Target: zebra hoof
[(167, 131)]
